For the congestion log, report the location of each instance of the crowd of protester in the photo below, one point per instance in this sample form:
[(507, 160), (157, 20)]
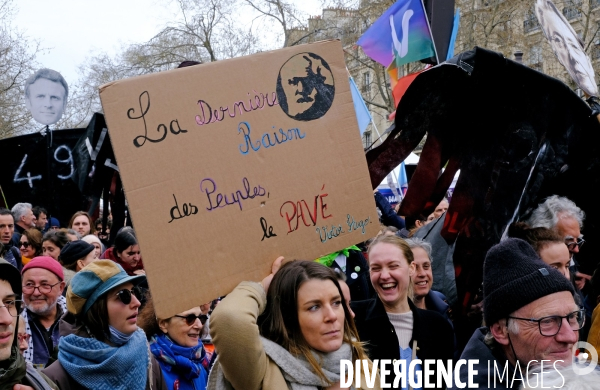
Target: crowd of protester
[(77, 313)]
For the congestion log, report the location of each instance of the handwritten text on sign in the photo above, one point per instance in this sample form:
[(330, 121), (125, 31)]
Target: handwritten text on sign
[(212, 156)]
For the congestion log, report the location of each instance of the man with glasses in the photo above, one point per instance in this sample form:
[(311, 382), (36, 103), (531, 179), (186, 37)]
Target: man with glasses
[(43, 285), (14, 370), (530, 314)]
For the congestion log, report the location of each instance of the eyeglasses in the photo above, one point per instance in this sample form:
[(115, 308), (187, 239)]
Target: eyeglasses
[(191, 318), (125, 295), (571, 245), (43, 288), (550, 326), (25, 244), (14, 307), (23, 337)]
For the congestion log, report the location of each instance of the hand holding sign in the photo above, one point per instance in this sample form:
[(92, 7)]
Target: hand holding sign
[(266, 282)]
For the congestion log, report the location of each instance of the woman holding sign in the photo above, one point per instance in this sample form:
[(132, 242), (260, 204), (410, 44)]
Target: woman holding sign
[(291, 330)]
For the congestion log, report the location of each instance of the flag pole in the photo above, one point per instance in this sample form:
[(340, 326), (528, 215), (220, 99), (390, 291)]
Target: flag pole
[(437, 60), (377, 131)]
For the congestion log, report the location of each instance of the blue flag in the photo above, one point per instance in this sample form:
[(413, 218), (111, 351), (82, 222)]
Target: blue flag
[(363, 117), (453, 36), (403, 178)]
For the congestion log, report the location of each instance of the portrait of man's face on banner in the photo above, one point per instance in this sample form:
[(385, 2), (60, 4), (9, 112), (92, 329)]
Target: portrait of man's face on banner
[(567, 46), (46, 93)]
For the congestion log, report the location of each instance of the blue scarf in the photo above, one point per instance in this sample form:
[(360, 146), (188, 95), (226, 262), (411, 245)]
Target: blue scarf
[(118, 338), (183, 368), (98, 366)]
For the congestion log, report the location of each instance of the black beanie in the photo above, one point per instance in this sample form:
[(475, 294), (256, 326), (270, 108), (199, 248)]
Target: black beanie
[(514, 276), (11, 274), (74, 251)]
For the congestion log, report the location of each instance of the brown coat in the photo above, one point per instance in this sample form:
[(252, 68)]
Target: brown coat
[(63, 380), (236, 337)]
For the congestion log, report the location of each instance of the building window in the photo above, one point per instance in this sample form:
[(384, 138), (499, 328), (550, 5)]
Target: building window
[(531, 22), (596, 51), (366, 86), (487, 3), (536, 59), (573, 9), (366, 139)]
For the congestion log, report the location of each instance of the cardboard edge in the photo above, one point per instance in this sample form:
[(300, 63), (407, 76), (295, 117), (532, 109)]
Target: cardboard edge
[(103, 87)]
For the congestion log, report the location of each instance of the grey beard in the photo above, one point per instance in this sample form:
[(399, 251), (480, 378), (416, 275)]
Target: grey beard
[(43, 312)]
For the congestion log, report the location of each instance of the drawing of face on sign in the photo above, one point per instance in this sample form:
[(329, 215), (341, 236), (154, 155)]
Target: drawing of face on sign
[(567, 46), (46, 94), (305, 87)]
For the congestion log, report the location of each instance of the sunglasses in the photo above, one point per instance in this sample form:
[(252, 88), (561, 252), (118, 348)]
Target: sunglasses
[(125, 295), (191, 318), (25, 244)]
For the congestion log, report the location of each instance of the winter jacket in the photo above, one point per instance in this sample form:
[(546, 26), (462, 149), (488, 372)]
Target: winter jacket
[(18, 371), (12, 254), (110, 254), (37, 380), (389, 217), (64, 381), (43, 343), (357, 276), (182, 367), (488, 360), (436, 301), (433, 334), (236, 337)]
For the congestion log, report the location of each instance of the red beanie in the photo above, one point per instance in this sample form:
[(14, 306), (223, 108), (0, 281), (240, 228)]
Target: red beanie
[(45, 262)]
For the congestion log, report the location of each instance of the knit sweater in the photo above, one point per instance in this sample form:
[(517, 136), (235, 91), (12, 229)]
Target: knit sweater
[(403, 325)]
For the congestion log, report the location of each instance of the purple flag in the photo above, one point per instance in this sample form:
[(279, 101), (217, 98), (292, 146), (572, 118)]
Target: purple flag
[(401, 33)]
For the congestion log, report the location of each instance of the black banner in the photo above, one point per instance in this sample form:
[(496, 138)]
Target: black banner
[(63, 171)]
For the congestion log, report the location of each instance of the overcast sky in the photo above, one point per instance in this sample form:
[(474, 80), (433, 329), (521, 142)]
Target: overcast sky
[(72, 30)]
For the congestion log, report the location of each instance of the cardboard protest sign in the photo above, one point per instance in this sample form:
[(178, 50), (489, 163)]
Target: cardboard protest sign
[(230, 164)]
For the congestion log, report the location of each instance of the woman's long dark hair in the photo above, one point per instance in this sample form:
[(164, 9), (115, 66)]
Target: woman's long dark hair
[(279, 322), (124, 239), (57, 237), (95, 320)]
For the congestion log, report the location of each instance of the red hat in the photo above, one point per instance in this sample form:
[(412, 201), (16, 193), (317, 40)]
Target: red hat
[(45, 262)]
